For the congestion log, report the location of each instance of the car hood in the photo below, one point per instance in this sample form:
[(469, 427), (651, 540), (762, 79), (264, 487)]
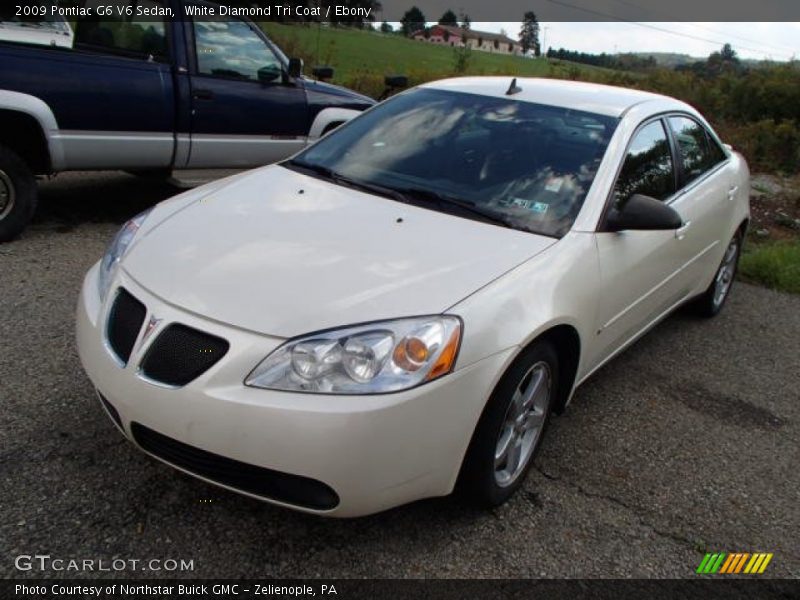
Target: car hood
[(282, 253)]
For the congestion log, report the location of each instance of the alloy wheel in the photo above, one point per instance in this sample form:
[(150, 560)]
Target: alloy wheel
[(523, 424), (727, 270)]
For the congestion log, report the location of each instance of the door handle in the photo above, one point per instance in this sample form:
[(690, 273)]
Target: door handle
[(203, 95), (680, 232), (732, 192)]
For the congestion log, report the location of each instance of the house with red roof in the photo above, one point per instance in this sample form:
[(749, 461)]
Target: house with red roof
[(448, 35)]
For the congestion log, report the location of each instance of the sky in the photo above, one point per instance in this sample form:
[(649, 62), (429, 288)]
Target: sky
[(760, 41)]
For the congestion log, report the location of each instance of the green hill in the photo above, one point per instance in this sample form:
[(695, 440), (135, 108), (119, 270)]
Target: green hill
[(361, 58)]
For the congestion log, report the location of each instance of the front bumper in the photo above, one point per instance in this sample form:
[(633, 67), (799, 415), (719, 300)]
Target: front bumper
[(374, 452)]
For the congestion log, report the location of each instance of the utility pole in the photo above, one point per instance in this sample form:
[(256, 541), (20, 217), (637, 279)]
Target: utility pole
[(544, 39)]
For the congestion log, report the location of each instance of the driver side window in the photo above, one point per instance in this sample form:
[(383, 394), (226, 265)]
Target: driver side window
[(648, 167), (230, 48)]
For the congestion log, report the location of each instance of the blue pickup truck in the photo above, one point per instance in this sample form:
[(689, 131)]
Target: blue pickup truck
[(149, 94)]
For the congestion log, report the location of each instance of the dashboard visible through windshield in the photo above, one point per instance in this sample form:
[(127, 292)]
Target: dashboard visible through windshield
[(522, 165)]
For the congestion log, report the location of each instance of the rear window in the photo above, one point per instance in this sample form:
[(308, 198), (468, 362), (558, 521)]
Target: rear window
[(133, 36), (698, 151)]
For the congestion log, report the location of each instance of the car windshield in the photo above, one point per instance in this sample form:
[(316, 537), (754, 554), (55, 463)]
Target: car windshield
[(518, 164)]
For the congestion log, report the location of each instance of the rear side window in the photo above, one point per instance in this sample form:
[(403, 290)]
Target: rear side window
[(648, 167), (698, 151), (127, 35)]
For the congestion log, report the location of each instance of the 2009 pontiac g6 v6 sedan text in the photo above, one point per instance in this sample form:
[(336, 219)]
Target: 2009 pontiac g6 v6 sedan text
[(399, 308)]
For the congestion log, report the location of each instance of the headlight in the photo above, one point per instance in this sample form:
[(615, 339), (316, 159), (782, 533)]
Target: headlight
[(116, 250), (366, 359)]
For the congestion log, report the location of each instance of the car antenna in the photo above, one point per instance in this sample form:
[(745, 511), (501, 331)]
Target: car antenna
[(513, 88)]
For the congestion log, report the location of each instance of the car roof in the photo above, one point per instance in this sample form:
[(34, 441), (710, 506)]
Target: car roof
[(577, 95)]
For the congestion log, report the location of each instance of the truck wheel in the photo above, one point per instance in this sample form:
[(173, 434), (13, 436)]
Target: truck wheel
[(17, 194)]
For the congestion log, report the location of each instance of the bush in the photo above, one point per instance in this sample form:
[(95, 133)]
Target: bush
[(767, 144), (461, 59)]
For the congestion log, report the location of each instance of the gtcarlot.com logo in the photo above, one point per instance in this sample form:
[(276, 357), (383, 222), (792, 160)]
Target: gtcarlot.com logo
[(45, 562), (732, 563)]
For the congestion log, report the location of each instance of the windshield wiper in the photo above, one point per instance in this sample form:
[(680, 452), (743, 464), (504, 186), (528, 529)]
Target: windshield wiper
[(334, 176), (463, 205), (410, 195)]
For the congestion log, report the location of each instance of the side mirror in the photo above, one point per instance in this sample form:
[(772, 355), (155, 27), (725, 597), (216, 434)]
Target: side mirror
[(269, 73), (323, 72), (295, 67), (395, 81), (392, 82), (642, 212)]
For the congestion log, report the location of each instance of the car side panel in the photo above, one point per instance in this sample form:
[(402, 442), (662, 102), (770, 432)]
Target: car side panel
[(640, 277), (728, 208), (704, 208), (556, 287)]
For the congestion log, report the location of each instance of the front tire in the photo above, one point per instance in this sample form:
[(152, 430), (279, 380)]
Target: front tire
[(18, 194), (714, 298), (511, 428)]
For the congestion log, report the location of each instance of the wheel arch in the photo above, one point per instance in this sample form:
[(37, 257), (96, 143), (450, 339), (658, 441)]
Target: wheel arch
[(29, 128), (566, 341), (744, 226), (327, 118)]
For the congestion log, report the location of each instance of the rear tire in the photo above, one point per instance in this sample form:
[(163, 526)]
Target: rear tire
[(714, 298), (511, 428), (18, 194)]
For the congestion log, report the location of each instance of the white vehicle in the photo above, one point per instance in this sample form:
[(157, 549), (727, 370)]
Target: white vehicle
[(401, 306), (45, 28)]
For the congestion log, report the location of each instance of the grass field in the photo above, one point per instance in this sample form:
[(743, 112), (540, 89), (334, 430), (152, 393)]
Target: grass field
[(774, 264), (362, 58)]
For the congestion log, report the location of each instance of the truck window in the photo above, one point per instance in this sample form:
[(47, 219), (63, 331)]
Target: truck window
[(134, 36), (230, 48)]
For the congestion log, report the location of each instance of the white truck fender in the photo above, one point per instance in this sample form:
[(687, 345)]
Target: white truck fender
[(327, 116), (39, 110)]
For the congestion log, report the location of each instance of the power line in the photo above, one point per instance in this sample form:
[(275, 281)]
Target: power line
[(780, 48), (662, 29)]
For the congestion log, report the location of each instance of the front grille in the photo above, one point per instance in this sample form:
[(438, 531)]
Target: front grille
[(180, 354), (284, 487), (124, 322)]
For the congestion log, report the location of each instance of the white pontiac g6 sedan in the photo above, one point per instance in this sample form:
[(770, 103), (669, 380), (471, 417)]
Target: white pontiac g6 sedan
[(400, 307)]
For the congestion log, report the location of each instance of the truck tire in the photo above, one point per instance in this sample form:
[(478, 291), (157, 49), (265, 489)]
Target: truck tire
[(18, 194)]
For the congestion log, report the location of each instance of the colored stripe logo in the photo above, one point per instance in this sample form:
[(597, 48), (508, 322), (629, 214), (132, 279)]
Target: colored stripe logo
[(734, 562)]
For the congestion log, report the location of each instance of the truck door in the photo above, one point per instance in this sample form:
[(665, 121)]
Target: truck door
[(244, 113), (113, 94)]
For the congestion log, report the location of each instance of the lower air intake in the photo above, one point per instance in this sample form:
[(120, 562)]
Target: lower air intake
[(283, 487)]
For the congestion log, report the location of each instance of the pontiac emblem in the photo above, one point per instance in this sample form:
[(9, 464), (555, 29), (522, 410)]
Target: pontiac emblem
[(152, 324)]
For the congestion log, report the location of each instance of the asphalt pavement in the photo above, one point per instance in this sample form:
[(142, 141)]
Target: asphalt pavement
[(687, 443)]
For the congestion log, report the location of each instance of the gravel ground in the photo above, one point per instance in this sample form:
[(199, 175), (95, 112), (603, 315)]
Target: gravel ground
[(688, 442)]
